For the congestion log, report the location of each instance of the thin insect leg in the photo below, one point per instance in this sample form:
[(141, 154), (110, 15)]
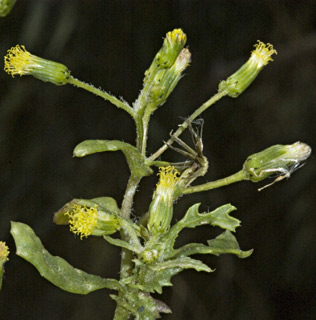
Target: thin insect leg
[(185, 147), (183, 152)]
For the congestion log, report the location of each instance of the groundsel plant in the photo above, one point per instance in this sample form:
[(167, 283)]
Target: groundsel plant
[(149, 255)]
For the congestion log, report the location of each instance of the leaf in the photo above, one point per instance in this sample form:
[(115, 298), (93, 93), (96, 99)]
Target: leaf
[(183, 263), (227, 243), (106, 204), (224, 243), (121, 243), (219, 217), (135, 160), (153, 277), (149, 280), (53, 268)]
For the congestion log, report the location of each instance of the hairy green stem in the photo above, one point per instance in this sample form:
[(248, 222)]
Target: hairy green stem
[(236, 177), (117, 102), (185, 124), (126, 256)]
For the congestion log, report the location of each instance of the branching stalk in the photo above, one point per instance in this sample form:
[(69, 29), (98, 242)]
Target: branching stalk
[(106, 96)]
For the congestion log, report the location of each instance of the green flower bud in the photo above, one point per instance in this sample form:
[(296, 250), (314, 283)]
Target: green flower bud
[(238, 82), (18, 61), (161, 207), (6, 7), (280, 160), (164, 72), (172, 45), (166, 79), (86, 221)]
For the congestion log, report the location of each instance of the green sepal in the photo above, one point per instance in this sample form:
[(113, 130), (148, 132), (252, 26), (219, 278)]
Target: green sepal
[(135, 160), (105, 204), (53, 268)]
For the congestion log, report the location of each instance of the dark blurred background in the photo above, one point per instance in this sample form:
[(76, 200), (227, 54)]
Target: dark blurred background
[(110, 44)]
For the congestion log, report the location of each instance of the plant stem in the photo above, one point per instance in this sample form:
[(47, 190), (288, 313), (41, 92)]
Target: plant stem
[(120, 104), (126, 256), (236, 177), (185, 124)]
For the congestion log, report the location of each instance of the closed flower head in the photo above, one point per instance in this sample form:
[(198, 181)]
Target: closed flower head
[(278, 160), (19, 61)]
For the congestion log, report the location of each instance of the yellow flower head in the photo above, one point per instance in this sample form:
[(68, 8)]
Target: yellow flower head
[(4, 252), (168, 178), (19, 61), (176, 35), (262, 54), (238, 82), (161, 207), (82, 220)]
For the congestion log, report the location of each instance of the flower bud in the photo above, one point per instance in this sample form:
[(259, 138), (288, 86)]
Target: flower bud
[(161, 207), (86, 221), (165, 80), (280, 160), (6, 7), (172, 45), (18, 61), (164, 72), (238, 82)]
